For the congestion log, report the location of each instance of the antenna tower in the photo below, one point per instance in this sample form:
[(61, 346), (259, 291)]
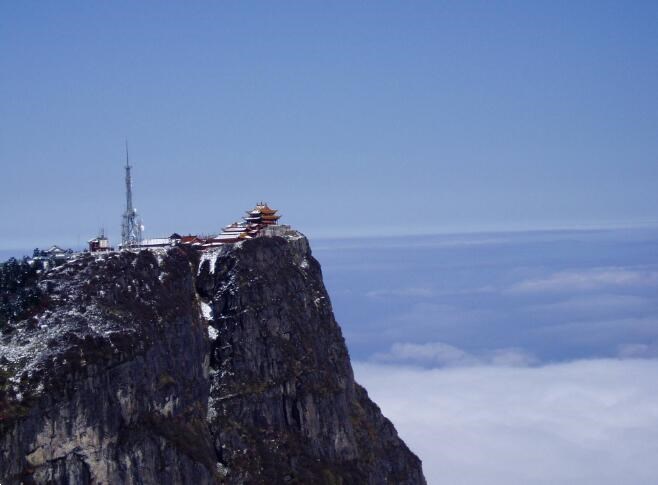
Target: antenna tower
[(131, 225)]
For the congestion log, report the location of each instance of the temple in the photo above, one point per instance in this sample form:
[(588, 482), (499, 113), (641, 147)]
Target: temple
[(256, 219), (262, 214), (262, 220)]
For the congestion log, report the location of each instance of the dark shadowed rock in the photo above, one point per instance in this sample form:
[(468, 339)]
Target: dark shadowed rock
[(225, 366)]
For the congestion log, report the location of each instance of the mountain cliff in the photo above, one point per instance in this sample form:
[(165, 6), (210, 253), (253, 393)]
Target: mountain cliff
[(177, 366)]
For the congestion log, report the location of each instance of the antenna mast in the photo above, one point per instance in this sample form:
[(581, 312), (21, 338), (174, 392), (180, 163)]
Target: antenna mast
[(131, 226)]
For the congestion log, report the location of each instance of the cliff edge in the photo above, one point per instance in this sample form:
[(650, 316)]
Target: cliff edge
[(177, 366)]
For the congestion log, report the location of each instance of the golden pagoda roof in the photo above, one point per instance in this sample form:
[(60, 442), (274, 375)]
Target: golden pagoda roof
[(263, 208)]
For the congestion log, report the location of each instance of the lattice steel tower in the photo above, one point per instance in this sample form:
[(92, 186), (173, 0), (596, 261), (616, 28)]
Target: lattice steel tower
[(131, 226)]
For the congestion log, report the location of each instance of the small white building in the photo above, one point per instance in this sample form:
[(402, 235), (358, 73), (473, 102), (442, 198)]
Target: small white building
[(99, 244)]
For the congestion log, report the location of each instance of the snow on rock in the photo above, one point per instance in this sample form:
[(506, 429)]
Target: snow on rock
[(206, 310), (211, 256), (93, 354)]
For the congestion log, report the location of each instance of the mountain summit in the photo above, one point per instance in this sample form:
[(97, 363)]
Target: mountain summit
[(184, 366)]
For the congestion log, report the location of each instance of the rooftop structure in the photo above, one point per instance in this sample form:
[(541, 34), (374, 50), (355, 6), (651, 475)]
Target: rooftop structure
[(254, 223), (51, 257), (99, 244), (256, 219), (262, 214), (190, 240), (161, 242)]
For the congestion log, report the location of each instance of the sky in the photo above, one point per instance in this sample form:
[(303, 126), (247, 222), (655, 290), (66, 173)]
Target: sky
[(477, 180), (352, 118)]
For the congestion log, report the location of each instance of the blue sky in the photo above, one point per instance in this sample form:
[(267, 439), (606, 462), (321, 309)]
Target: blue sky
[(350, 117)]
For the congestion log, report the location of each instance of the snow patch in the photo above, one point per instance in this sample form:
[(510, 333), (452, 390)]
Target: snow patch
[(206, 310), (211, 256)]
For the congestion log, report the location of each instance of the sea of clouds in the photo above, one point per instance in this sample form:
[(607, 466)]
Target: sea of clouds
[(512, 357), (580, 422)]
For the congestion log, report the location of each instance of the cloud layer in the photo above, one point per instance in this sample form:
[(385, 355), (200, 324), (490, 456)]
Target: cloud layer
[(588, 280), (439, 354), (584, 422), (556, 296), (513, 360)]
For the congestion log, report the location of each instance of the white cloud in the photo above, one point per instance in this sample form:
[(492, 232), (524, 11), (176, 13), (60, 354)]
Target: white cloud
[(423, 292), (402, 292), (510, 357), (593, 306), (584, 422), (430, 354), (424, 241), (439, 354), (638, 350), (587, 280)]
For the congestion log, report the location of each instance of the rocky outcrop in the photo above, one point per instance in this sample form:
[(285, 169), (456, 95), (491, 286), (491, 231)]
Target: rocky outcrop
[(109, 378), (225, 366)]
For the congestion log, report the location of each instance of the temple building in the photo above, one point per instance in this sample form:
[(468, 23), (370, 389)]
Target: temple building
[(161, 242), (237, 227), (262, 214), (261, 218), (256, 219), (190, 240)]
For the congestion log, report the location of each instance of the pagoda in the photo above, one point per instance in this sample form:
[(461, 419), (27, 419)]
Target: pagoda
[(256, 219), (262, 214)]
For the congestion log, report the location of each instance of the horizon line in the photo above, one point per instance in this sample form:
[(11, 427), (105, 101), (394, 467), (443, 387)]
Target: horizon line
[(393, 233)]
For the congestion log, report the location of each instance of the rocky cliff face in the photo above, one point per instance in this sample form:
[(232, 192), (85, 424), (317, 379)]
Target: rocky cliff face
[(225, 366)]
